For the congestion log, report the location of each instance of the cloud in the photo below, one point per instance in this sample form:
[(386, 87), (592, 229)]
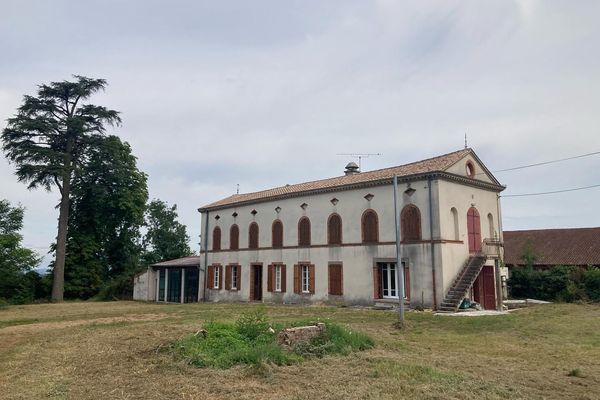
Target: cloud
[(266, 93)]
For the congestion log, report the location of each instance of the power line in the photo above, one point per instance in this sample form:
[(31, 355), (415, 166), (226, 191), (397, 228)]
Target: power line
[(547, 162), (552, 192)]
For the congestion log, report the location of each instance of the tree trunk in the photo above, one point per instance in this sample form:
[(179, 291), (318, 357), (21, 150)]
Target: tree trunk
[(58, 281)]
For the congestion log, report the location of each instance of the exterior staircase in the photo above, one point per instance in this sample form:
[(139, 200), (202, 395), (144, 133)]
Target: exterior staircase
[(462, 284)]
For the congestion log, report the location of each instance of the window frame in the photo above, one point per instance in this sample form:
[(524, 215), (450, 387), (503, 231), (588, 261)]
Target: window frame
[(277, 273), (216, 277), (305, 278)]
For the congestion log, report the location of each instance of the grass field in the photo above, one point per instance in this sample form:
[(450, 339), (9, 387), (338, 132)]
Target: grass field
[(116, 350)]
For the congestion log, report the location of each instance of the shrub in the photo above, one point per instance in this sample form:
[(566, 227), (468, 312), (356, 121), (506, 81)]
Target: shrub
[(556, 284), (591, 282), (250, 341)]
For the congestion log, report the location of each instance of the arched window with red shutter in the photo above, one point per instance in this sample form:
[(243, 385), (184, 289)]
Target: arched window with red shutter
[(474, 230), (334, 229), (277, 234), (304, 232), (370, 227), (234, 237), (216, 239), (410, 219), (253, 236)]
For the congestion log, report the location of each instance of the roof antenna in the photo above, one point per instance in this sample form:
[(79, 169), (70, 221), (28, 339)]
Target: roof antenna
[(466, 140), (360, 156), (238, 189)]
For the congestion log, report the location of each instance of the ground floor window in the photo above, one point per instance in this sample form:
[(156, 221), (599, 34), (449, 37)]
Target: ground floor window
[(278, 278), (234, 277), (388, 280), (305, 279), (191, 285), (216, 277), (335, 280)]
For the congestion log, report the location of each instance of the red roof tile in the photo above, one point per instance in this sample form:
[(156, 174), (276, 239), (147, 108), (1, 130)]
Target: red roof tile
[(439, 163), (572, 246)]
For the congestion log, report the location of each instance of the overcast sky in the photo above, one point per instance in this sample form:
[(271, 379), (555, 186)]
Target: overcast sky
[(264, 93)]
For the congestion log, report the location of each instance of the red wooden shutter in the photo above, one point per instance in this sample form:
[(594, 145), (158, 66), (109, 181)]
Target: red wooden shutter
[(234, 237), (335, 279), (253, 236), (370, 227), (220, 276), (410, 218), (228, 277), (270, 278), (376, 282), (474, 230), (283, 279), (239, 276), (311, 278), (297, 285), (334, 229), (210, 277), (216, 245), (304, 232), (277, 234)]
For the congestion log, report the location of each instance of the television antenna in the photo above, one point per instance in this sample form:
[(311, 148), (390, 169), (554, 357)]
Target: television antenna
[(359, 156)]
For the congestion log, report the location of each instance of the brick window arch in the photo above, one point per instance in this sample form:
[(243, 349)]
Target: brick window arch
[(410, 219), (216, 239), (277, 234), (304, 232), (370, 227), (334, 229), (253, 236), (234, 237)]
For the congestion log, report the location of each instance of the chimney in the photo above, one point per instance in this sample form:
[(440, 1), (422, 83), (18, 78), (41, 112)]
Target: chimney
[(351, 169)]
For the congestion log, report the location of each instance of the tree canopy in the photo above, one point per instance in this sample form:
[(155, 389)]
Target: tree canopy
[(166, 238), (16, 261), (107, 211), (50, 138)]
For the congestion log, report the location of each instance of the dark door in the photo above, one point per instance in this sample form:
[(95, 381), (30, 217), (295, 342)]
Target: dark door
[(256, 287), (484, 289), (191, 285), (174, 286)]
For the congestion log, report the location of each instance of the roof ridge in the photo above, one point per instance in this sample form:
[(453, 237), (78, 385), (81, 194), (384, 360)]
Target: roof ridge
[(340, 176)]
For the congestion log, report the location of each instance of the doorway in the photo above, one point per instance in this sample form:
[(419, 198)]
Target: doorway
[(474, 230), (256, 282), (484, 289)]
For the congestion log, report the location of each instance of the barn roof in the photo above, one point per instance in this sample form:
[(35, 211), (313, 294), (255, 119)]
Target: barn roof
[(570, 246)]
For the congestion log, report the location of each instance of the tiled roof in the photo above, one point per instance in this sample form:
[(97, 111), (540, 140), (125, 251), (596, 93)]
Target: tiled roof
[(574, 246), (439, 163), (189, 261)]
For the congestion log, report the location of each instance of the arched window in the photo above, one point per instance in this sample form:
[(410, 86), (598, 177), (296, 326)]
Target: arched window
[(410, 219), (216, 240), (370, 227), (277, 234), (234, 237), (455, 221), (304, 232), (334, 229), (253, 236), (474, 230), (491, 226)]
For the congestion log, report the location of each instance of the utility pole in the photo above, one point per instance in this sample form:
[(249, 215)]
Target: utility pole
[(399, 269), (360, 156)]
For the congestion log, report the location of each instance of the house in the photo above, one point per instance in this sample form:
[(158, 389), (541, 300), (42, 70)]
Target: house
[(553, 247), (334, 240)]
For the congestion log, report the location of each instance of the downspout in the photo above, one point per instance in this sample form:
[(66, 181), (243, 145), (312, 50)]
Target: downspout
[(499, 288), (205, 255), (432, 248)]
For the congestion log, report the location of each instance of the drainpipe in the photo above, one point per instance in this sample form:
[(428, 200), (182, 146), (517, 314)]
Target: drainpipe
[(205, 255), (432, 248), (500, 294)]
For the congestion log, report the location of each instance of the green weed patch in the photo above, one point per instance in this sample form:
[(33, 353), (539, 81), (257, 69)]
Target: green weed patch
[(251, 340)]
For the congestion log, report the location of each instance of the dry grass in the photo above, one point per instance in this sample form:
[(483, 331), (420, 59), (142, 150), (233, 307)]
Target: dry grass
[(113, 351)]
